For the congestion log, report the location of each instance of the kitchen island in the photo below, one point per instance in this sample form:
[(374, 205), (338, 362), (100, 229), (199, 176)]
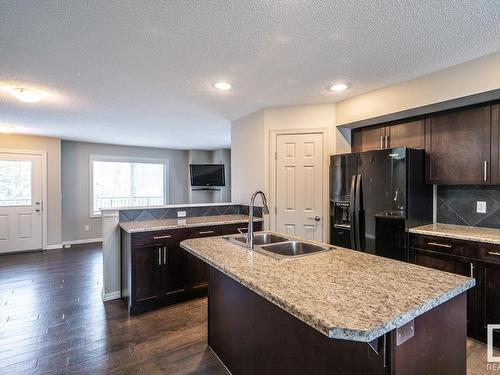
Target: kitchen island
[(341, 312)]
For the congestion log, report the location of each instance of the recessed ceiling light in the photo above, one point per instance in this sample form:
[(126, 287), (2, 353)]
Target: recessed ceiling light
[(26, 95), (6, 128), (338, 87), (224, 86)]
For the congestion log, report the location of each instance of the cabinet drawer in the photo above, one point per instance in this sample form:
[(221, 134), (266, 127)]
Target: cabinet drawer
[(208, 231), (489, 253), (158, 237), (451, 246)]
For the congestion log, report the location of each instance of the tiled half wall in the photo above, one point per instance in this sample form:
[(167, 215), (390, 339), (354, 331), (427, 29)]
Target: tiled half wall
[(457, 205), (171, 213)]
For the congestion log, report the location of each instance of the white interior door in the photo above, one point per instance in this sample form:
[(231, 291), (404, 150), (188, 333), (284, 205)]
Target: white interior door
[(20, 202), (299, 185)]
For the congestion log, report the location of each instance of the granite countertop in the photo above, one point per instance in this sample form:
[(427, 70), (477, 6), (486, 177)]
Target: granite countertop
[(461, 232), (197, 221), (342, 293)]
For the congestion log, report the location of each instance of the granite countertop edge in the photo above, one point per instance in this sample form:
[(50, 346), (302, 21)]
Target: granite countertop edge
[(450, 231), (339, 332), (185, 225)]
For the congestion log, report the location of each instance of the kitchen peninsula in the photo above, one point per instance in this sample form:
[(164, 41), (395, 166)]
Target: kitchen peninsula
[(341, 309)]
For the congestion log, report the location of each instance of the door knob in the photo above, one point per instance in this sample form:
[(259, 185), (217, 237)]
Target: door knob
[(37, 210), (315, 218)]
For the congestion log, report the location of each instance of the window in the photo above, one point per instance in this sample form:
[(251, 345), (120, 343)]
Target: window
[(15, 183), (127, 183)]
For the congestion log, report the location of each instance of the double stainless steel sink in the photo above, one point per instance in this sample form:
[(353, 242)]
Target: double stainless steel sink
[(279, 246)]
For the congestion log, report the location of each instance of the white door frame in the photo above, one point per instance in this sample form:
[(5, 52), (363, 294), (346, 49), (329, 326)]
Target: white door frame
[(43, 154), (273, 138)]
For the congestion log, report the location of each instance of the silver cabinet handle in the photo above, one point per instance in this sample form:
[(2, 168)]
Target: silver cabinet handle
[(439, 244), (161, 237), (159, 256), (381, 142), (165, 255), (485, 170), (494, 253), (471, 270), (206, 232)]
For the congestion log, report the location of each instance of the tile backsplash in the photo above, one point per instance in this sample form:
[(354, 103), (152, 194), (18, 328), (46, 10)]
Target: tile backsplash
[(457, 205), (171, 213)]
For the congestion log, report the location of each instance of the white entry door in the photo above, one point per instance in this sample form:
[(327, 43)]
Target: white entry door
[(299, 185), (20, 202)]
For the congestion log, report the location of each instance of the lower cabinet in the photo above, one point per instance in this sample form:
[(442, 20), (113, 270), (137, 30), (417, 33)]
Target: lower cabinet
[(156, 271), (472, 259)]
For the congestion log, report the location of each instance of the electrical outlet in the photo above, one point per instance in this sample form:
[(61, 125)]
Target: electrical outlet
[(181, 213), (86, 228), (481, 207)]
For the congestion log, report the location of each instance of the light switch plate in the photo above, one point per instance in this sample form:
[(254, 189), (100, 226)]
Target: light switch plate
[(481, 207), (181, 213)]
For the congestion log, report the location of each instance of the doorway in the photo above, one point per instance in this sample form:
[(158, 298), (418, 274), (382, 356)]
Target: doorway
[(21, 201), (299, 184)]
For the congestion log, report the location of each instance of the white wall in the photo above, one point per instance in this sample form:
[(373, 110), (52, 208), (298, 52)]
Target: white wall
[(470, 79), (53, 148), (76, 184)]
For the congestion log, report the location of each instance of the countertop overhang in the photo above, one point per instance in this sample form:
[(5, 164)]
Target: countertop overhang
[(197, 221), (460, 232), (344, 294)]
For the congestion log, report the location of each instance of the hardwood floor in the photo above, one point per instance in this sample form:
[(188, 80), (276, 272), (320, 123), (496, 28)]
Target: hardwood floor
[(52, 321)]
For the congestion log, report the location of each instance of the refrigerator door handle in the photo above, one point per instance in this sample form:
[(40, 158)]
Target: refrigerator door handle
[(358, 212), (352, 204)]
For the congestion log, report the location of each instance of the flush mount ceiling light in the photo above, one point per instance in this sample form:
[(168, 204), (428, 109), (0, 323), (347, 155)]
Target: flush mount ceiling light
[(223, 86), (6, 128), (338, 87), (26, 95)]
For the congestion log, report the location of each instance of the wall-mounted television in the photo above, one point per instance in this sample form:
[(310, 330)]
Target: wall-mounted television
[(207, 174)]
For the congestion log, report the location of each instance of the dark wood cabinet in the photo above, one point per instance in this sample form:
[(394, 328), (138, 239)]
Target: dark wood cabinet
[(495, 144), (147, 274), (479, 260), (390, 135), (406, 134), (367, 139), (457, 145), (157, 271), (452, 264)]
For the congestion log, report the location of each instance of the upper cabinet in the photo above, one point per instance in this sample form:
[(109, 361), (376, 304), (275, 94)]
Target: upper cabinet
[(409, 134), (495, 144), (457, 147)]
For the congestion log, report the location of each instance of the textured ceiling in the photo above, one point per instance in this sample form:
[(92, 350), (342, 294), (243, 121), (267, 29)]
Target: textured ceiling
[(140, 73)]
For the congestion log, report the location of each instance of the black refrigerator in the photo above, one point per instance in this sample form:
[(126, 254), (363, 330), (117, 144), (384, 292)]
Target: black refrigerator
[(375, 197)]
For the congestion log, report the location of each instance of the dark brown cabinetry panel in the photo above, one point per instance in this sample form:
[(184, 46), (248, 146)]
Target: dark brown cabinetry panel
[(450, 264), (490, 292), (147, 274), (495, 144), (366, 139), (480, 260), (457, 145), (407, 134), (157, 271)]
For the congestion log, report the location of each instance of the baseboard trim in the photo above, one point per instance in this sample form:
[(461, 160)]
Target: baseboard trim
[(54, 247), (78, 242), (111, 296)]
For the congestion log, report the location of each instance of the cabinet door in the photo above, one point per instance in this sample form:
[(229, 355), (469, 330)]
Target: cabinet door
[(146, 274), (457, 146), (198, 273), (495, 144), (176, 269), (452, 264), (366, 139), (408, 134), (490, 296)]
